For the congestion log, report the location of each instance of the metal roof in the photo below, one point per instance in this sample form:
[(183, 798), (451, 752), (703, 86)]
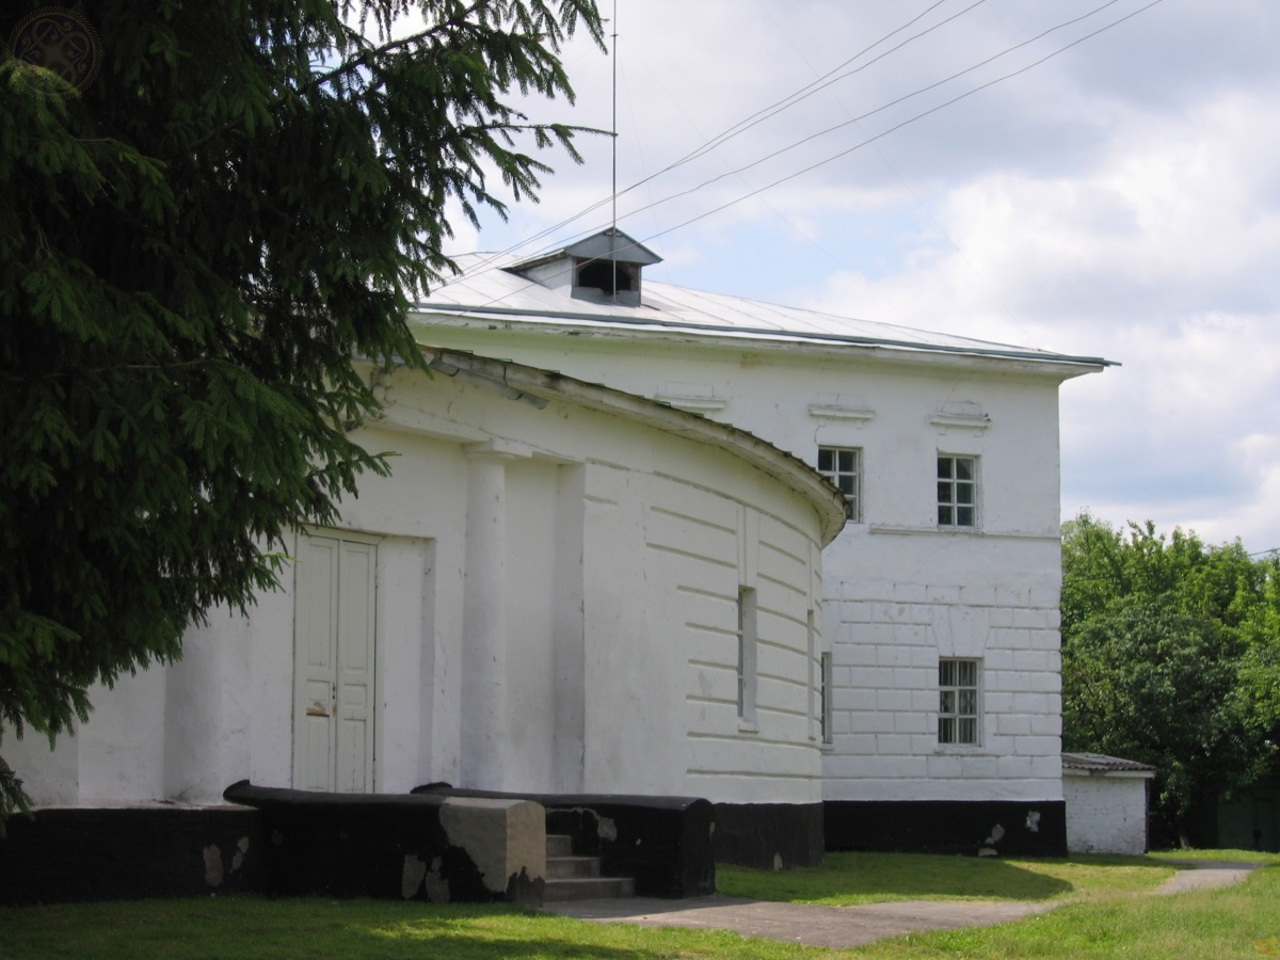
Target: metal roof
[(487, 288), (1101, 763)]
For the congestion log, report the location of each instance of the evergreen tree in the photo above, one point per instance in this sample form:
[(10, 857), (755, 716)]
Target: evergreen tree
[(195, 243)]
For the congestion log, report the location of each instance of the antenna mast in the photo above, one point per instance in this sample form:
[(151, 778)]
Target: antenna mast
[(613, 188)]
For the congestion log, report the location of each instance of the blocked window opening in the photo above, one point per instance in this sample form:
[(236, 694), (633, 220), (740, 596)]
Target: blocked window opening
[(747, 654), (824, 697)]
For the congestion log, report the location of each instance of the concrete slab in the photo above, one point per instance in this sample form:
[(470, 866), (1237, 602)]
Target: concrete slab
[(851, 926), (801, 923)]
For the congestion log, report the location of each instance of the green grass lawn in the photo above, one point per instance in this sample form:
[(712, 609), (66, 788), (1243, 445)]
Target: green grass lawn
[(852, 878), (1112, 919), (1220, 856)]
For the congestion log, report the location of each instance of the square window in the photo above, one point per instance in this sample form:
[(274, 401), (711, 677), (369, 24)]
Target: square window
[(957, 491), (843, 467), (958, 701)]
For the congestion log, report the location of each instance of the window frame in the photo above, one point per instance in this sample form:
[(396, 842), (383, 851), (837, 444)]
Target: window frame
[(826, 736), (748, 641), (950, 504), (954, 720), (835, 474)]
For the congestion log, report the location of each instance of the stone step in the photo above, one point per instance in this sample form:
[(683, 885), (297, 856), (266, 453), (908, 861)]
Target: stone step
[(588, 888), (565, 868), (559, 845)]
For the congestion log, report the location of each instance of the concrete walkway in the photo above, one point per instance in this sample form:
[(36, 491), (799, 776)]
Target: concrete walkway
[(850, 926)]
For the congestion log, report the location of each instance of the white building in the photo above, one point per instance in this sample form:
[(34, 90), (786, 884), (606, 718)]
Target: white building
[(1106, 801), (940, 644), (611, 580), (560, 588)]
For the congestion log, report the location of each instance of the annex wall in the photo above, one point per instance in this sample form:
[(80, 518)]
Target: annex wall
[(900, 593), (594, 560)]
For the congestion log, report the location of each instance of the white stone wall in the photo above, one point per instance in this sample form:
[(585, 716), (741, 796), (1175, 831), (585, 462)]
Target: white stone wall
[(605, 573), (1106, 814), (899, 593)]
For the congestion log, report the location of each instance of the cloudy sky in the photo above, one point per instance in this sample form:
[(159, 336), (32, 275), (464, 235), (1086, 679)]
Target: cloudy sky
[(1098, 178)]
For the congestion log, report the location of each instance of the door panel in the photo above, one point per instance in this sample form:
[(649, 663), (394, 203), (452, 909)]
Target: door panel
[(334, 664)]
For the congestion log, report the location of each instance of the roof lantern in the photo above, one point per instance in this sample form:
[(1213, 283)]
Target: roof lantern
[(603, 268)]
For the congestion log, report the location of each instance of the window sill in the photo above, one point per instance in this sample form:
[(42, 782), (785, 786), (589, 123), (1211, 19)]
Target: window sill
[(748, 726)]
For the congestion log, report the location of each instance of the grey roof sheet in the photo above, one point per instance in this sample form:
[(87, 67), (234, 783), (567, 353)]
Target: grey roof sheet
[(485, 288), (1101, 763)]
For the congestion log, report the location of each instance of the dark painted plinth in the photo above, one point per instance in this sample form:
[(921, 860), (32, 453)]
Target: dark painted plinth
[(71, 853), (1034, 829), (664, 843), (769, 836), (389, 846)]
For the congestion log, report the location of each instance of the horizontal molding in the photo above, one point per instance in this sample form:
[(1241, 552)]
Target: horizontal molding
[(896, 531), (827, 411)]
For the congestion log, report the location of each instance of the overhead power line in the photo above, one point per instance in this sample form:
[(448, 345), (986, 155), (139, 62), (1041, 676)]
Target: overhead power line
[(742, 125)]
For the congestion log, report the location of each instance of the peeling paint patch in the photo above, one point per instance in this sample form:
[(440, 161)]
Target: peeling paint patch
[(237, 859), (412, 875), (437, 886), (501, 837), (997, 833), (213, 866), (606, 829), (777, 862), (1033, 821)]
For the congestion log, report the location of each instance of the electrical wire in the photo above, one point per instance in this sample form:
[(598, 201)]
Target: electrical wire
[(487, 264)]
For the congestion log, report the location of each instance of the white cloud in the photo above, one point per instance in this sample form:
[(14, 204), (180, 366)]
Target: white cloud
[(1121, 200)]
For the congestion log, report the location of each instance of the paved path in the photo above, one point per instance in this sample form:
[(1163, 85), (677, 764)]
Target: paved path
[(849, 926)]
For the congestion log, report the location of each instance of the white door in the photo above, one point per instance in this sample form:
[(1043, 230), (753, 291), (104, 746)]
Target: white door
[(333, 712)]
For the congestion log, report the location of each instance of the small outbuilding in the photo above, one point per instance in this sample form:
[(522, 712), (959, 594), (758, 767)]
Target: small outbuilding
[(1106, 800)]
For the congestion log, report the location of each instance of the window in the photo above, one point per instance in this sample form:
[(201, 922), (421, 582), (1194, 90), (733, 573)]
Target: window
[(957, 491), (600, 274), (747, 654), (824, 702), (958, 701), (843, 467)]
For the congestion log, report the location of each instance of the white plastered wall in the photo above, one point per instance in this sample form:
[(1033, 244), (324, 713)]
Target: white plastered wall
[(1106, 813), (610, 586), (899, 593)]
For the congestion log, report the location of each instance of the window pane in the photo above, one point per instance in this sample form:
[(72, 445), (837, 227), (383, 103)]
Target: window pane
[(965, 517), (845, 484), (968, 731), (964, 468), (846, 460), (968, 703), (946, 730), (944, 516), (946, 701), (944, 468), (825, 458), (944, 493), (946, 673), (964, 493)]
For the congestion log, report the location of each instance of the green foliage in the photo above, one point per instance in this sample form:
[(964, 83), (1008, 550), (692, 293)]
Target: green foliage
[(1170, 652), (192, 252)]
